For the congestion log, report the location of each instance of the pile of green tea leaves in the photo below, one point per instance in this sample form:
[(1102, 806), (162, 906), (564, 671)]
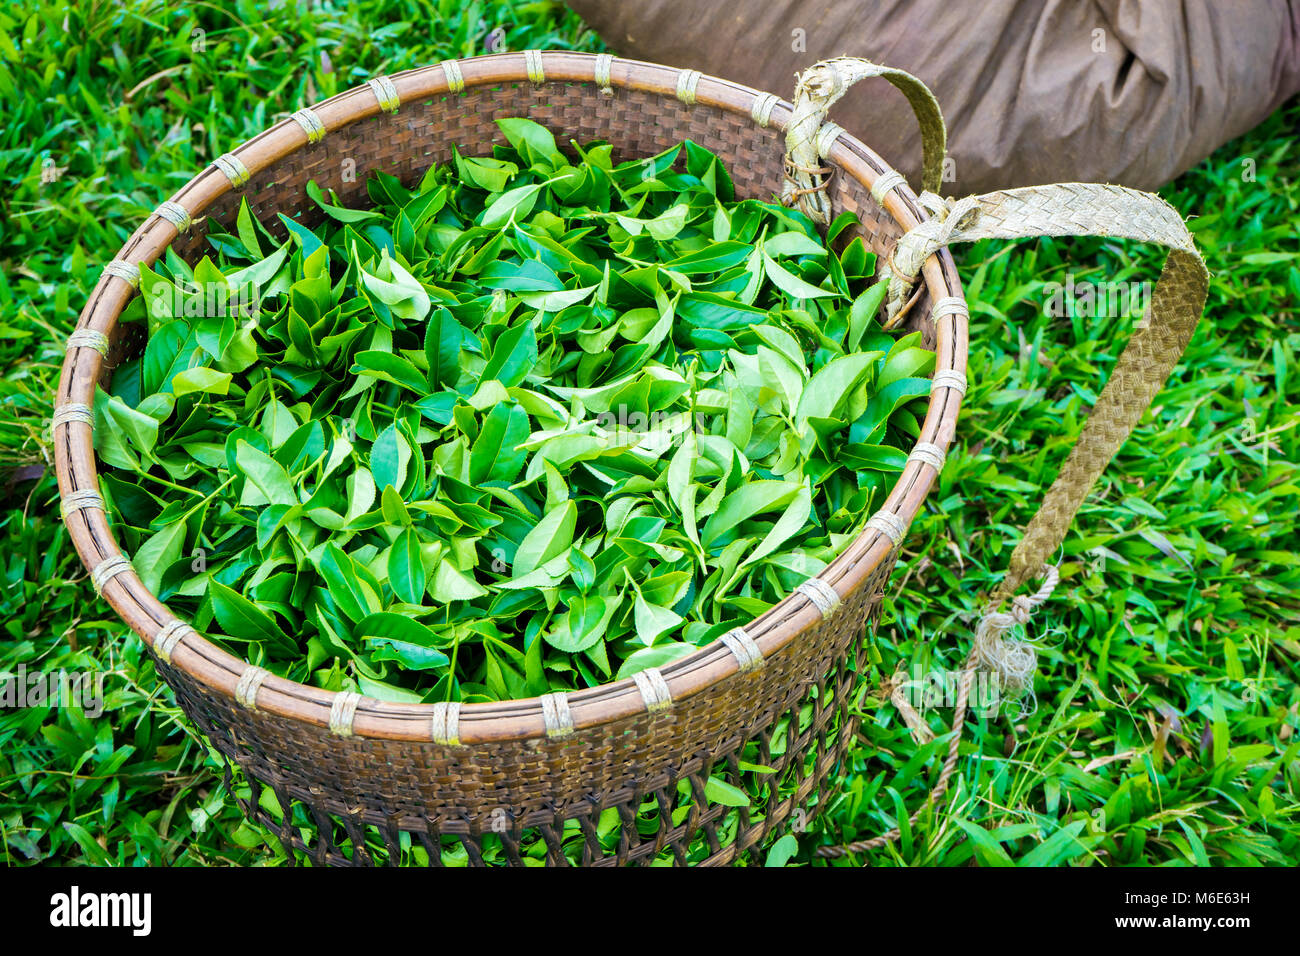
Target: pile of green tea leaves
[(539, 422)]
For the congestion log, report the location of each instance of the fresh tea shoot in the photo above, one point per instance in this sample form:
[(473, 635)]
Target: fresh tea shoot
[(539, 422)]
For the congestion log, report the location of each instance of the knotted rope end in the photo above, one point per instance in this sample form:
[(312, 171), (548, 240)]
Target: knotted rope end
[(1010, 659)]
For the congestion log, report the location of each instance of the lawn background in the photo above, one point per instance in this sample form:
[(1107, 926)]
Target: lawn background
[(1166, 725)]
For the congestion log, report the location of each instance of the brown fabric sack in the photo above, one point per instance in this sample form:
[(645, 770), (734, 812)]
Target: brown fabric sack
[(1033, 91)]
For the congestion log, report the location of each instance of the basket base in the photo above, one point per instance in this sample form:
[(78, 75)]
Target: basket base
[(678, 822)]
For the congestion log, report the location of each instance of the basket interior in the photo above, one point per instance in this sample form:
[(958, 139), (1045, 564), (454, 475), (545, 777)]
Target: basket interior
[(636, 123)]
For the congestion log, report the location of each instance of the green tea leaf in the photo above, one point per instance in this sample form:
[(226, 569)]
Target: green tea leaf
[(406, 568), (549, 537), (266, 475), (789, 283), (513, 355), (201, 379), (242, 620), (513, 204), (496, 454), (388, 459), (354, 598), (157, 554), (390, 368), (719, 791)]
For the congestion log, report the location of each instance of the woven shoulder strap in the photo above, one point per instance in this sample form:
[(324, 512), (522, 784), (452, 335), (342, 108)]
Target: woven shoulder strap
[(1061, 209), (1078, 209)]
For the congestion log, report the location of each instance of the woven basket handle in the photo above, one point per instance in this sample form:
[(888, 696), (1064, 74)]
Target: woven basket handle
[(1062, 209), (816, 90)]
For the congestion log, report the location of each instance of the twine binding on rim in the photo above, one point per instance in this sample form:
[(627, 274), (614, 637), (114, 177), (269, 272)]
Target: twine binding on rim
[(687, 81), (234, 168), (311, 124), (70, 412), (168, 637), (744, 648), (826, 137), (108, 569), (128, 272), (88, 339), (654, 689), (444, 725), (889, 180), (556, 714), (949, 378), (823, 596), (75, 501), (385, 93), (890, 525), (250, 682), (176, 214), (533, 66), (928, 453), (604, 63), (343, 712), (455, 78), (761, 113), (949, 305)]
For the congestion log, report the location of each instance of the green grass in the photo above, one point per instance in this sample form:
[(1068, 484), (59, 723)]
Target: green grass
[(1165, 732)]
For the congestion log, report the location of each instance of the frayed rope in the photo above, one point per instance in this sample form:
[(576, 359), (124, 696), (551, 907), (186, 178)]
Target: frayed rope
[(1012, 660)]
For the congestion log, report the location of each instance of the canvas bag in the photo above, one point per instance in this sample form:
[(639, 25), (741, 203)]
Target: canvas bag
[(1131, 92)]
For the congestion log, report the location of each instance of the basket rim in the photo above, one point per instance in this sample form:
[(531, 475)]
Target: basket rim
[(345, 713)]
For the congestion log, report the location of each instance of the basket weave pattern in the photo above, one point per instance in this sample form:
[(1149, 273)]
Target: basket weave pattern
[(508, 779)]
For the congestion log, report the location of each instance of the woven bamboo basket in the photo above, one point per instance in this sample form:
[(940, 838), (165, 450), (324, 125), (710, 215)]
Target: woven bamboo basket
[(376, 777)]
